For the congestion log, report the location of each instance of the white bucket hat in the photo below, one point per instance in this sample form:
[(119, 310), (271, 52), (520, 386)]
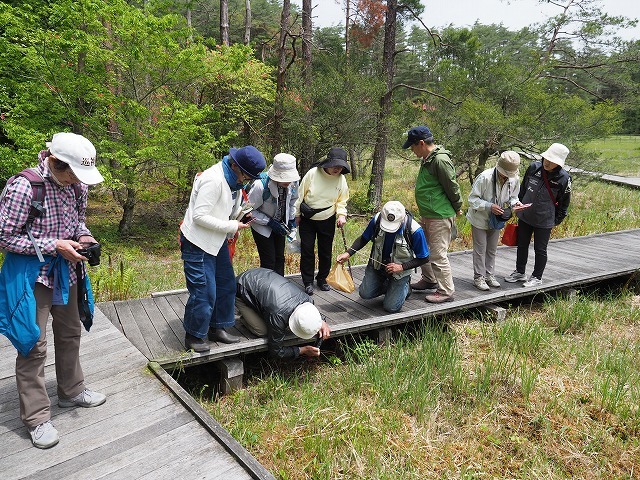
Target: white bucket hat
[(392, 216), (79, 153), (283, 168), (305, 321), (556, 153), (508, 163)]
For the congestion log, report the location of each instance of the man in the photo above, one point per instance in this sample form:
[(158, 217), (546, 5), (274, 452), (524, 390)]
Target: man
[(438, 197), (272, 306), (399, 246), (210, 217), (546, 186), (66, 168)]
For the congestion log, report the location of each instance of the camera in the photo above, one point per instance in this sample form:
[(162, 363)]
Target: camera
[(318, 342), (92, 252)]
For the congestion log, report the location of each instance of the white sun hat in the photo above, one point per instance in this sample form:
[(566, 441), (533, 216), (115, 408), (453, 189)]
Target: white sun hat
[(556, 153), (305, 321), (283, 168)]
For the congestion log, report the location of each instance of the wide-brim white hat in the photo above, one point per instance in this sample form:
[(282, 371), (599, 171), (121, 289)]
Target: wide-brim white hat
[(283, 169), (79, 153), (305, 321), (556, 153)]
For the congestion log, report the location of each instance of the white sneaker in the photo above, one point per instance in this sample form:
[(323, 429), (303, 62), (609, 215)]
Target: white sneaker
[(85, 398), (480, 284), (532, 282), (44, 435), (491, 281), (516, 277)]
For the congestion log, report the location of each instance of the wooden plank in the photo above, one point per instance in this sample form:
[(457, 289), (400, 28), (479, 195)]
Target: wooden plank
[(130, 328), (109, 310), (167, 336), (147, 329)]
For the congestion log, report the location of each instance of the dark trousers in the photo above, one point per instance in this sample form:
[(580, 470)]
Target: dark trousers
[(309, 230), (270, 250), (540, 241)]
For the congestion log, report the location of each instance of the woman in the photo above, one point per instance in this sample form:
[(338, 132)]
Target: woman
[(323, 197), (274, 212), (547, 186), (493, 191)]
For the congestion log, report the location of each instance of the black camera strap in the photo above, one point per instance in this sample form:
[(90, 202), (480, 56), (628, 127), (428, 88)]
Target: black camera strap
[(84, 310)]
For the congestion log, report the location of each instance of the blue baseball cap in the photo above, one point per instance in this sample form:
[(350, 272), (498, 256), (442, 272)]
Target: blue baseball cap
[(416, 134), (249, 160)]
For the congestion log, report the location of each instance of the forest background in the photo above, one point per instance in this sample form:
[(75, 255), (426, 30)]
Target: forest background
[(163, 88)]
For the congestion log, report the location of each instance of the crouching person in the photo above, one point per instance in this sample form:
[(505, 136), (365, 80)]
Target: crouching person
[(272, 306), (399, 246)]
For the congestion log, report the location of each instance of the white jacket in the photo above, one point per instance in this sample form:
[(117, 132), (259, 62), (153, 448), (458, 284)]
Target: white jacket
[(207, 221), (264, 210), (483, 194)]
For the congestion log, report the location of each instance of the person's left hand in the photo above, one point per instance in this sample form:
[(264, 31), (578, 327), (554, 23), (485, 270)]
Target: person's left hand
[(341, 221), (392, 268), (292, 224), (309, 351)]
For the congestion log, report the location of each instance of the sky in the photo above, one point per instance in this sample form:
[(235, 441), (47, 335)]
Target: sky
[(513, 14)]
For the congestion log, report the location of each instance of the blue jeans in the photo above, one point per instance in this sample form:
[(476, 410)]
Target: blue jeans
[(212, 289), (377, 282)]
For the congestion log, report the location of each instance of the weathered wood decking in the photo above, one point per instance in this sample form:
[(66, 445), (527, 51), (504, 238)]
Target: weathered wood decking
[(154, 325), (142, 431)]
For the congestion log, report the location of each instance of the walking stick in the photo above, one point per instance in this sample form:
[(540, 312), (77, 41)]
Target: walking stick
[(344, 240)]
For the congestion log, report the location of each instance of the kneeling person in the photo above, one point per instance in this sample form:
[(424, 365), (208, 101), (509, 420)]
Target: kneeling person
[(399, 245), (271, 306)]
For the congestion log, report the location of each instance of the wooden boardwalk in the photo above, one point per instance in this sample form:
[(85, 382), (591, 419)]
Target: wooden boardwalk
[(154, 324), (144, 430)]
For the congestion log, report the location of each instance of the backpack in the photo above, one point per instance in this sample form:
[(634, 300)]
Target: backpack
[(406, 227), (36, 209), (266, 193)]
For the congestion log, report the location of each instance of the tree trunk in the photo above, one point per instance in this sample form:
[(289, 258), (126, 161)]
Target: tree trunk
[(346, 32), (353, 160), (247, 22), (374, 194), (224, 22), (280, 77), (124, 227), (308, 154)]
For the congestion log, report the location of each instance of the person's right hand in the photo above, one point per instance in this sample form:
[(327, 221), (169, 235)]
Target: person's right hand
[(67, 248), (309, 351), (343, 257), (496, 210), (277, 227), (242, 225)]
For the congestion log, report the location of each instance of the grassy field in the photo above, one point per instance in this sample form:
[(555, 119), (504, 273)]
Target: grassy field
[(553, 392), (618, 154)]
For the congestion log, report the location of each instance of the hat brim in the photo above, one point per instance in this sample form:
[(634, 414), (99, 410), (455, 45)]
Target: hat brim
[(87, 175), (408, 142), (287, 176), (390, 227), (502, 171), (336, 162)]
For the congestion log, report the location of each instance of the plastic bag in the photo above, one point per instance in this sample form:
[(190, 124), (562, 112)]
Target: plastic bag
[(292, 243), (340, 279)]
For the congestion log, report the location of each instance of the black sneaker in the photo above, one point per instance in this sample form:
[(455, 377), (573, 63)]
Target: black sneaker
[(323, 285), (308, 289)]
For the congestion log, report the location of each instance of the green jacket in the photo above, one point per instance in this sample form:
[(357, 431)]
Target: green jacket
[(437, 190)]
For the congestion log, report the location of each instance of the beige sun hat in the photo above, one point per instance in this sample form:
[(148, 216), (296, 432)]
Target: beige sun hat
[(509, 163), (283, 168)]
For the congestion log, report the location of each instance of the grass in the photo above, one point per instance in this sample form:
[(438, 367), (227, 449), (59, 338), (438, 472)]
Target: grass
[(519, 399), (618, 154)]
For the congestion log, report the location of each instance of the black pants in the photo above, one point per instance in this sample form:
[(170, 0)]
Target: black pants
[(309, 230), (271, 251), (540, 241)]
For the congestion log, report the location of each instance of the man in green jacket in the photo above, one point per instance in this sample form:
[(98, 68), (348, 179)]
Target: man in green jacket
[(438, 197)]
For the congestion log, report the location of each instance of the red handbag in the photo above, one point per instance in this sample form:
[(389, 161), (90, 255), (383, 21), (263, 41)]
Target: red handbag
[(510, 235)]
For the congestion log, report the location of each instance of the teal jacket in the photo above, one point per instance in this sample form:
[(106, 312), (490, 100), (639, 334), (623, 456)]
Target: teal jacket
[(17, 301), (437, 190)]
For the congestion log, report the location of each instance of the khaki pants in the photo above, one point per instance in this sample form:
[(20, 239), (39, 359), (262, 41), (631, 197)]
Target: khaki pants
[(251, 319), (35, 405), (438, 270)]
